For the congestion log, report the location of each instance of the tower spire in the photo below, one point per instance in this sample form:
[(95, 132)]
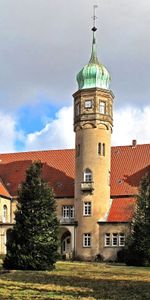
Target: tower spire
[(94, 58), (93, 74)]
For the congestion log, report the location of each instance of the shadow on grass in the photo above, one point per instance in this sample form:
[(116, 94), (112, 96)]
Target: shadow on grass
[(97, 288)]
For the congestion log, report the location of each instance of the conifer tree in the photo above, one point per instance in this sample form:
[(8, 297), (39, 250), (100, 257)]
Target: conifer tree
[(33, 241), (138, 247)]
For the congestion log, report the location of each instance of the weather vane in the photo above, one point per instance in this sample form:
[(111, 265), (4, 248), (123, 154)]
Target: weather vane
[(94, 17)]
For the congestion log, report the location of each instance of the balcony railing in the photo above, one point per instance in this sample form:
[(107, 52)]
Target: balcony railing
[(87, 186), (68, 221)]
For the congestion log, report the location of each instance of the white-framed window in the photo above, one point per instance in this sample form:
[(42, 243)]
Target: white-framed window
[(77, 109), (107, 240), (101, 149), (87, 175), (87, 208), (4, 218), (121, 239), (88, 103), (102, 107), (87, 240), (114, 239), (68, 211)]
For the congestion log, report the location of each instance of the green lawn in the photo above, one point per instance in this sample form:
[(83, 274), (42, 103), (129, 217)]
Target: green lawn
[(77, 281)]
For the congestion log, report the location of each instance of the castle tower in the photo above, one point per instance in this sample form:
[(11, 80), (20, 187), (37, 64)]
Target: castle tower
[(93, 121)]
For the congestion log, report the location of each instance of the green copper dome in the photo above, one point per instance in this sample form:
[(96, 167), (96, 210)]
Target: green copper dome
[(94, 74)]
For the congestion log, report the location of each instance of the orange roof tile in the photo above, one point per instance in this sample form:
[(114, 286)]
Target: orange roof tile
[(121, 210), (3, 190), (58, 169), (128, 165)]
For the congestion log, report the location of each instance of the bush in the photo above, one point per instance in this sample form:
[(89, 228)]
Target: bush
[(99, 258), (121, 255)]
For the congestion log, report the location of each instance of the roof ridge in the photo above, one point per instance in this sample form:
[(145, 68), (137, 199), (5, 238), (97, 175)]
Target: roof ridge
[(36, 151), (137, 145), (71, 149)]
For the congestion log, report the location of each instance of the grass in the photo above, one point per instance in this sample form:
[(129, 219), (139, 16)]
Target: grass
[(77, 281)]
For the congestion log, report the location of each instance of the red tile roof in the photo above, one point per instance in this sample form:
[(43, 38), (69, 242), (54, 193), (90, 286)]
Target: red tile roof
[(58, 169), (3, 190), (128, 164), (121, 210)]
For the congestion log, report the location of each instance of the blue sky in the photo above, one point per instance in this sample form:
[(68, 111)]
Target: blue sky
[(44, 44)]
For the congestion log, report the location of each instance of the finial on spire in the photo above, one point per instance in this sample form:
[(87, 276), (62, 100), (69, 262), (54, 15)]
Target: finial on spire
[(94, 58), (94, 17)]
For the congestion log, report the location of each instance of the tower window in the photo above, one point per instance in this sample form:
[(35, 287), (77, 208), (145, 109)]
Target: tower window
[(87, 175), (88, 104), (87, 209), (87, 240), (102, 107), (101, 149)]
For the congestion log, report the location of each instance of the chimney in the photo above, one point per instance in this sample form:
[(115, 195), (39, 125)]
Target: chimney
[(134, 143)]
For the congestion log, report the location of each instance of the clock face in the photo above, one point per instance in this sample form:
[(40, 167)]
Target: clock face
[(88, 103)]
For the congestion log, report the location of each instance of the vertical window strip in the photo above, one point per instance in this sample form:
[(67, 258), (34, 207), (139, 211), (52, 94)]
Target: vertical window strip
[(107, 239), (101, 149)]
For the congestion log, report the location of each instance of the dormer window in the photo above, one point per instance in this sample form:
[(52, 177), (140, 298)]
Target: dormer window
[(102, 107), (88, 103)]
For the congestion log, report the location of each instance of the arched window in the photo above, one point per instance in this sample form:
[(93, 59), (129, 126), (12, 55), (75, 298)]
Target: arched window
[(4, 214), (87, 175)]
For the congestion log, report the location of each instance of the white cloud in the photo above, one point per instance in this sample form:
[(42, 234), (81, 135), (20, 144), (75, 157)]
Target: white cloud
[(57, 134), (8, 133), (131, 123)]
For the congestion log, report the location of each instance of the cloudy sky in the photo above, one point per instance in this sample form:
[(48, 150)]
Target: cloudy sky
[(44, 44)]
